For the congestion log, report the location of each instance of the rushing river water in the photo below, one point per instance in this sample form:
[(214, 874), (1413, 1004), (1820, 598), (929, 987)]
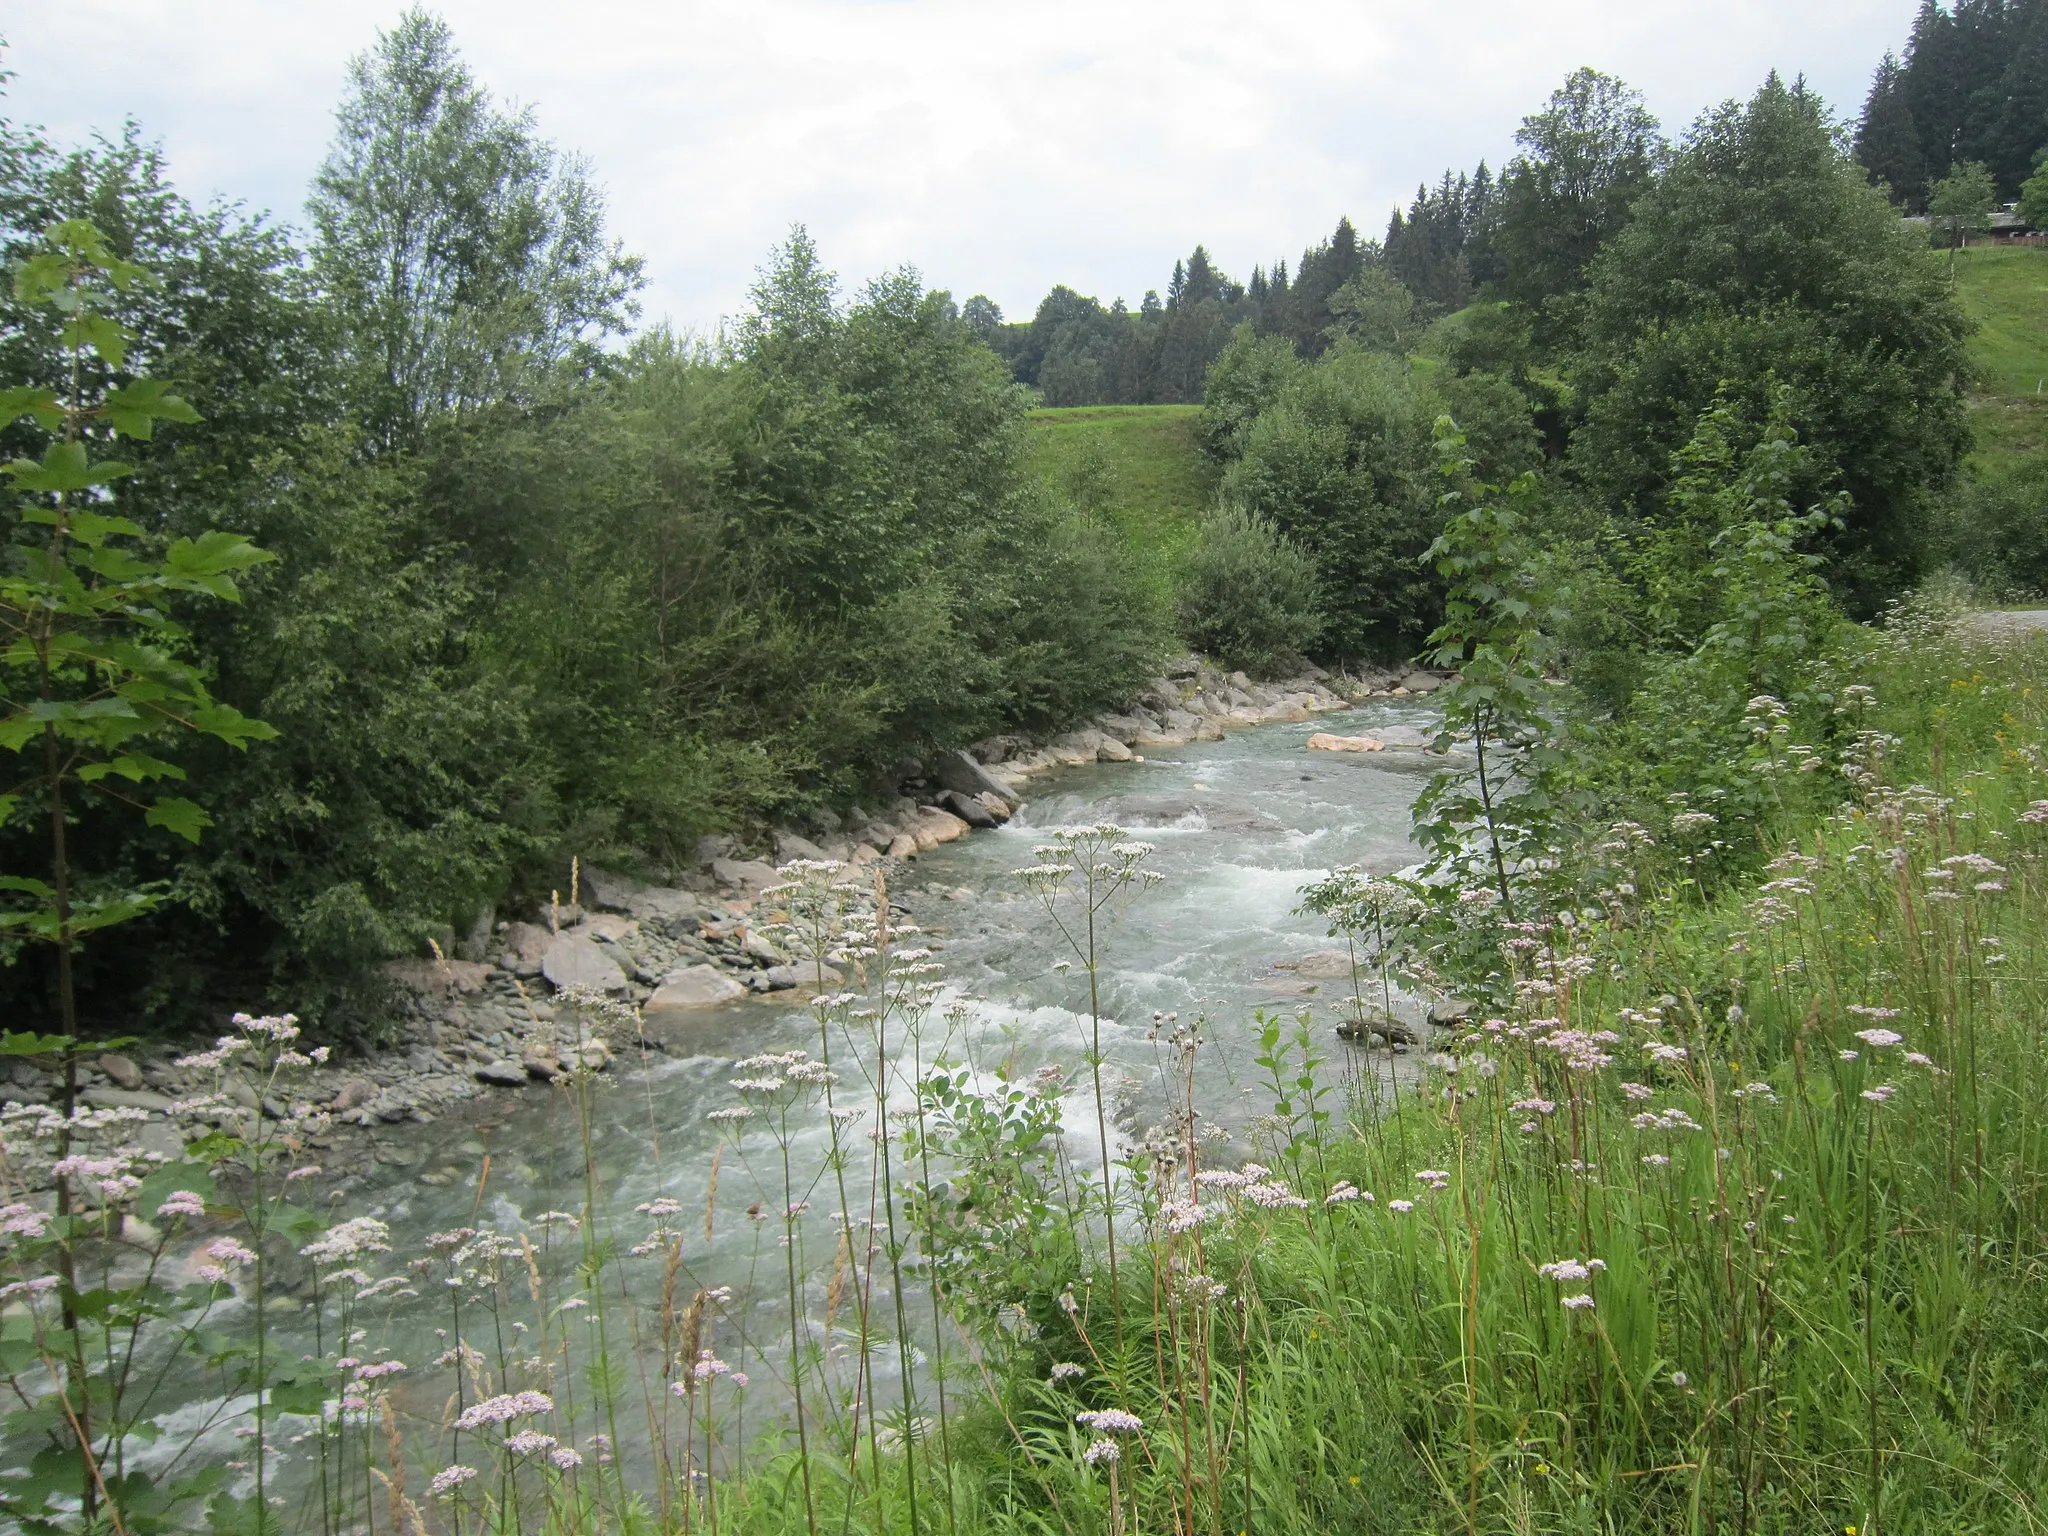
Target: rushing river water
[(1238, 826)]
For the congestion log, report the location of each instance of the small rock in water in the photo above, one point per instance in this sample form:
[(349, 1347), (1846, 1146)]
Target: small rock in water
[(1323, 741), (502, 1073)]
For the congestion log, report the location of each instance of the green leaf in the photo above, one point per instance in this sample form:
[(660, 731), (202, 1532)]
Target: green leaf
[(29, 1043), (103, 333), (134, 409), (231, 725), (183, 817), (136, 767), (27, 400), (65, 468)]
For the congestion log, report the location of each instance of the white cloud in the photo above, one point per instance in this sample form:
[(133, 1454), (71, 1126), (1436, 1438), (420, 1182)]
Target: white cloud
[(999, 148)]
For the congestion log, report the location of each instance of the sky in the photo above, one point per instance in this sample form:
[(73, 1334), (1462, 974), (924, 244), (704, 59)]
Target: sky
[(997, 148)]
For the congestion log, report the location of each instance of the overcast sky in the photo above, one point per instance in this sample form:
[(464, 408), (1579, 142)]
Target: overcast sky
[(999, 148)]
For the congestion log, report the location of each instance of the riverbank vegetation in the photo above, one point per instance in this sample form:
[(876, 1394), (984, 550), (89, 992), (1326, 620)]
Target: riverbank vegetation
[(1711, 1201), (547, 585)]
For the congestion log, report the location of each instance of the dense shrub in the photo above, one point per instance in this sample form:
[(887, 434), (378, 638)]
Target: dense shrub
[(1249, 595)]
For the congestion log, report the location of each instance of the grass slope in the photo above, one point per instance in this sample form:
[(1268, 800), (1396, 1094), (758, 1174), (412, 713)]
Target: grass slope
[(1139, 467), (2005, 290)]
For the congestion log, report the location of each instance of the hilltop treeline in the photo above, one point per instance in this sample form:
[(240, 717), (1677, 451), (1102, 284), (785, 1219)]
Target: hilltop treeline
[(1971, 87)]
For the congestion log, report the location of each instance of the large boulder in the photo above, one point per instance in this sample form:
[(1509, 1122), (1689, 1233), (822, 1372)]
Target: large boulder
[(665, 907), (749, 876), (1125, 728), (963, 775), (790, 846), (1110, 750), (935, 826), (970, 809), (575, 963), (606, 891), (1422, 682)]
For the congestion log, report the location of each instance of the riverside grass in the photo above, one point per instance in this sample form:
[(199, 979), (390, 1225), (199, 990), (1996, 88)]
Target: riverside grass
[(1732, 1221)]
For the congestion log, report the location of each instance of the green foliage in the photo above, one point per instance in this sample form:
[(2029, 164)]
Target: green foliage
[(93, 679), (465, 257), (1760, 259), (1961, 203), (1587, 156), (2033, 198), (1483, 824), (1248, 596)]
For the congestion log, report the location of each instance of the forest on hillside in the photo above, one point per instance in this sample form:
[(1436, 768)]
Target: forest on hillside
[(539, 581), (1957, 122)]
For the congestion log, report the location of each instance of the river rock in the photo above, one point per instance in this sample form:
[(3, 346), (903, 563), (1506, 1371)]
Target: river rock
[(804, 973), (607, 891), (749, 876), (1323, 741), (525, 943), (962, 774), (995, 805), (125, 1098), (1125, 728), (574, 962), (502, 1073), (1422, 682), (688, 989), (1324, 963), (1376, 1024), (666, 907), (121, 1072), (902, 846), (762, 948), (935, 826), (1110, 750), (789, 847), (1077, 747), (353, 1093), (438, 978), (970, 809)]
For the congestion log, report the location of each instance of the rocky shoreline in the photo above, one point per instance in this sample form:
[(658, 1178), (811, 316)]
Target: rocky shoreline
[(490, 1019)]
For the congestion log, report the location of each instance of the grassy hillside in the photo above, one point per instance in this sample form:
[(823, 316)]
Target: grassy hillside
[(2005, 290), (1139, 467)]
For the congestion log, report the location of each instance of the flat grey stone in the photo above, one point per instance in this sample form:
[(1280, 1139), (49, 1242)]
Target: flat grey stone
[(749, 875), (122, 1098), (790, 846), (574, 962), (691, 988), (1422, 682), (502, 1073)]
